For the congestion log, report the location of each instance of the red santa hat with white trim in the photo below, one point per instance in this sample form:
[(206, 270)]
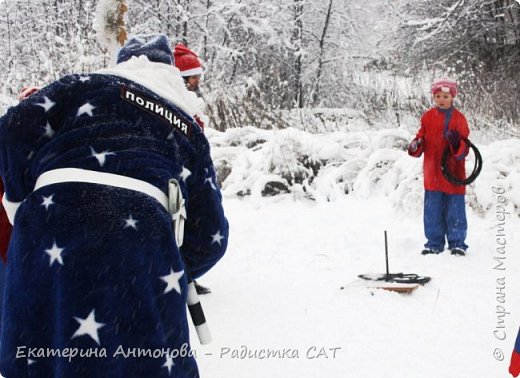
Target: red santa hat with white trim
[(186, 61)]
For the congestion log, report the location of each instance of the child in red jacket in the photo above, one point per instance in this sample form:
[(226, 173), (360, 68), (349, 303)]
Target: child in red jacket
[(443, 127)]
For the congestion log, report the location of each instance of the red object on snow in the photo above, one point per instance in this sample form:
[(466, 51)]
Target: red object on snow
[(433, 145), (5, 228)]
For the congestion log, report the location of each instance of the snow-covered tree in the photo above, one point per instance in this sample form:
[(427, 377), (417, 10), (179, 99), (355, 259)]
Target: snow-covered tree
[(264, 59), (476, 41)]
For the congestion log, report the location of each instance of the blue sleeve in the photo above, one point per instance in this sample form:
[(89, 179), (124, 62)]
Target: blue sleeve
[(206, 231), (24, 130)]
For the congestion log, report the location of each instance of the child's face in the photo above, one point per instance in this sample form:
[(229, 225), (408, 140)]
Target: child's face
[(192, 82), (443, 99)]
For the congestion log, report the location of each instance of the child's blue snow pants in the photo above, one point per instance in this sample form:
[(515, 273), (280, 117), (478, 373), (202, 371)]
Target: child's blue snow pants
[(444, 218)]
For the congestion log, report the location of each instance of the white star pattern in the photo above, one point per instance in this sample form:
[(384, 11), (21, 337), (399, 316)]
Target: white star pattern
[(101, 156), (170, 136), (217, 237), (169, 363), (47, 104), (84, 78), (185, 173), (30, 362), (55, 253), (210, 180), (49, 132), (131, 222), (47, 201), (85, 109), (88, 326), (172, 281)]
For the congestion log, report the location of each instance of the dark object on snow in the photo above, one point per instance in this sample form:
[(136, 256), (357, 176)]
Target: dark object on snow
[(409, 278), (197, 313), (274, 188), (201, 290), (476, 169), (404, 278), (386, 257), (458, 252), (429, 251), (398, 282)]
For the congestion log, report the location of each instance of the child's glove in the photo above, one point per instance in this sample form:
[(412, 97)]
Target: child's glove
[(199, 122), (415, 145), (514, 367), (453, 138), (415, 149), (26, 92)]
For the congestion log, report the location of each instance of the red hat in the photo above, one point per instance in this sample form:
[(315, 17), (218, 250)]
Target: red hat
[(445, 85), (186, 61)]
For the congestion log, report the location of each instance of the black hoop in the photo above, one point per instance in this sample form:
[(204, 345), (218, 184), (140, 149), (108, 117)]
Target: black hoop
[(476, 169)]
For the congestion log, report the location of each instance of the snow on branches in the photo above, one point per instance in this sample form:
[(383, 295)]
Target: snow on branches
[(110, 25), (365, 164)]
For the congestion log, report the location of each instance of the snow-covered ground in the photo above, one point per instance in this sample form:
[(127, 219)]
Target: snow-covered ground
[(277, 292), (282, 304)]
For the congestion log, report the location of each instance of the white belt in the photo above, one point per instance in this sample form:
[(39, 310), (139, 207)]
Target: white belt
[(56, 176)]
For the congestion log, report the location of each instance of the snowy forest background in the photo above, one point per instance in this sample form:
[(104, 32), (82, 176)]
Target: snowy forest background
[(316, 99), (274, 64), (312, 104)]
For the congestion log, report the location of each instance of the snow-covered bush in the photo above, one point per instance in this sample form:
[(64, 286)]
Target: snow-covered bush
[(321, 166), (501, 169), (325, 167)]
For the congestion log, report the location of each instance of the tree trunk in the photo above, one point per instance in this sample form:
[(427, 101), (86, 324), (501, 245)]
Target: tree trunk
[(316, 93), (297, 42), (205, 37)]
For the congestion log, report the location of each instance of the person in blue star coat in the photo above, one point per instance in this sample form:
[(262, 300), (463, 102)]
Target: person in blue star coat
[(96, 285), (514, 366)]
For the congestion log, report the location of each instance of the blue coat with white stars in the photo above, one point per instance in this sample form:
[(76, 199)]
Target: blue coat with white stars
[(95, 268)]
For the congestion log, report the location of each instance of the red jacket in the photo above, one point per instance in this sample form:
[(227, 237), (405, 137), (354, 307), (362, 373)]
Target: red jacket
[(434, 143), (5, 228)]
